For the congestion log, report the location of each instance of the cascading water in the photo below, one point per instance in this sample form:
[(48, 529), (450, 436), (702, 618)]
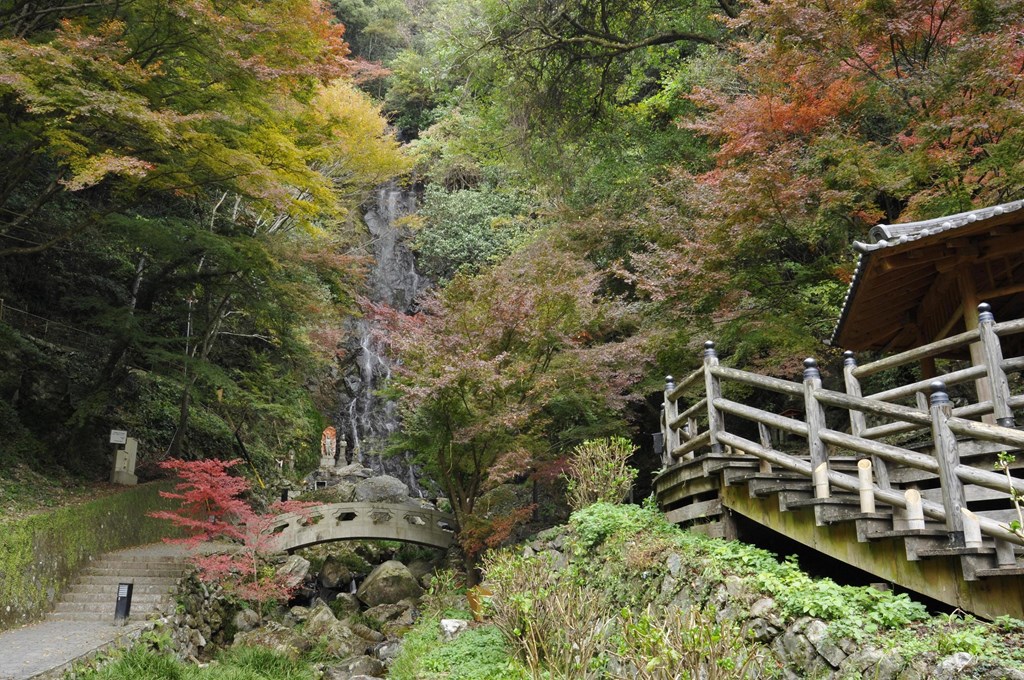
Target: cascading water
[(365, 417)]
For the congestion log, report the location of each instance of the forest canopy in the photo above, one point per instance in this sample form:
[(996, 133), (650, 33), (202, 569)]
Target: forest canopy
[(602, 186)]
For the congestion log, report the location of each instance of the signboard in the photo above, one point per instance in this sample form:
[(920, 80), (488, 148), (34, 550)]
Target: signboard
[(118, 436)]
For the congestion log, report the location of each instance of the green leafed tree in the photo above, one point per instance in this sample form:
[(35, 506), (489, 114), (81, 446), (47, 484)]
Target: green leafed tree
[(487, 364), (178, 179)]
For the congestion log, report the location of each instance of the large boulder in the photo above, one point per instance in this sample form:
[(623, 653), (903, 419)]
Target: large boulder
[(353, 472), (393, 618), (281, 639), (293, 571), (340, 640), (387, 584), (359, 666), (336, 573), (382, 489)]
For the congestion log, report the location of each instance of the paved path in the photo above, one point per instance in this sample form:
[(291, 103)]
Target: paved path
[(50, 646)]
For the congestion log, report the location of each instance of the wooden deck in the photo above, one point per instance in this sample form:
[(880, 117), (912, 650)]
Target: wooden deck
[(902, 483)]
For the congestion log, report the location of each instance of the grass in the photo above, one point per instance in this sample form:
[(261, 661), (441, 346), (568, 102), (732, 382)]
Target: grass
[(25, 492), (241, 663), (480, 653)]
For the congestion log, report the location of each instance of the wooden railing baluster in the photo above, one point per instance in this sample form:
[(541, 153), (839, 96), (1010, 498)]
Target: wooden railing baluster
[(857, 421), (713, 386), (671, 410), (815, 416), (992, 353), (948, 457)]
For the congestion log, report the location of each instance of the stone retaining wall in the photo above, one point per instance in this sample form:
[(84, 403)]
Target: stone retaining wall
[(39, 555)]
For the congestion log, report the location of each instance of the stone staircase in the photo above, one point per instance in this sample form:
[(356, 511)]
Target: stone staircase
[(93, 595)]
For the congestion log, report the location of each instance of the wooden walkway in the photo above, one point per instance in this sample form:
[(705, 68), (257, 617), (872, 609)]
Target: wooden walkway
[(901, 483)]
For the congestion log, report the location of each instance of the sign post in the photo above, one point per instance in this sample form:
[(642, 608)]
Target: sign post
[(124, 603)]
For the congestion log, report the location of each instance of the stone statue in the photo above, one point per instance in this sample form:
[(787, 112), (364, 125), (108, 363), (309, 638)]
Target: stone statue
[(342, 452), (328, 447)]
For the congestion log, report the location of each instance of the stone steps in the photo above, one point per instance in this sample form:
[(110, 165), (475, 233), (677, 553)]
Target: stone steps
[(93, 595)]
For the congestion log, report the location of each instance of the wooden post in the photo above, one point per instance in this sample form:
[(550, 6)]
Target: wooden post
[(992, 353), (867, 490), (915, 511), (671, 437), (972, 529), (765, 435), (948, 458), (1005, 556), (815, 423), (969, 295), (713, 387), (857, 422)]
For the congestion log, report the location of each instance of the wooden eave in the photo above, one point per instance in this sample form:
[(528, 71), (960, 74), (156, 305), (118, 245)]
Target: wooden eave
[(911, 284)]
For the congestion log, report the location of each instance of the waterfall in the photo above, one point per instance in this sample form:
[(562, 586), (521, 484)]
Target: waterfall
[(366, 418)]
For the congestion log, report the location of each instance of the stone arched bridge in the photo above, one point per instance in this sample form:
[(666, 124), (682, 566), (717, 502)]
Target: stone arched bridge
[(405, 522)]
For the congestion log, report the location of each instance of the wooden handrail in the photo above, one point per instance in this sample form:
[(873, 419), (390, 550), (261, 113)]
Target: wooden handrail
[(698, 442), (1003, 329), (693, 410), (792, 425), (756, 380), (918, 353), (685, 384), (954, 378), (934, 414)]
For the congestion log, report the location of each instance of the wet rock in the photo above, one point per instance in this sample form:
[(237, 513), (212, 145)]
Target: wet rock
[(351, 668), (420, 568), (345, 604), (817, 634), (382, 489), (335, 573), (761, 630), (294, 571), (344, 491), (281, 639), (387, 584), (951, 666), (674, 564), (386, 613), (341, 640), (387, 651), (367, 633), (246, 620)]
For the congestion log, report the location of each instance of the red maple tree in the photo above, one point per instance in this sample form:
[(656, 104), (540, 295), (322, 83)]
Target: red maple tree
[(212, 510)]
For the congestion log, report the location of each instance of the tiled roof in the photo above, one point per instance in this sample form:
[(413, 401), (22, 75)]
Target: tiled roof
[(886, 235), (889, 235)]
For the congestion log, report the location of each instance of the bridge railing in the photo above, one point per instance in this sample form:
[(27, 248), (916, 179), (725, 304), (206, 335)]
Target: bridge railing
[(698, 417)]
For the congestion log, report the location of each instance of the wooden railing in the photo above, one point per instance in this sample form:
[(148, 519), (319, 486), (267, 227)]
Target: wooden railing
[(698, 417)]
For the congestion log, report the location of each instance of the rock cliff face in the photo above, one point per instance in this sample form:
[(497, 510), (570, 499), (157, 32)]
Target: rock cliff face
[(364, 417)]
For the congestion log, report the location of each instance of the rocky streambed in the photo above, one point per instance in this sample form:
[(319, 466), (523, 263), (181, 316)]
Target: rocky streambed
[(353, 600)]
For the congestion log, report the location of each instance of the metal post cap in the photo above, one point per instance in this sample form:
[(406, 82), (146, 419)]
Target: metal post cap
[(709, 349), (811, 369), (985, 312), (849, 359), (670, 382), (939, 394)]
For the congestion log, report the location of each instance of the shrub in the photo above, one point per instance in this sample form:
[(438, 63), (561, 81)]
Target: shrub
[(553, 622), (673, 644), (598, 472)]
